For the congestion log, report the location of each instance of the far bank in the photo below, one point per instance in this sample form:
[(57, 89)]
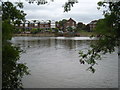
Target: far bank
[(48, 34)]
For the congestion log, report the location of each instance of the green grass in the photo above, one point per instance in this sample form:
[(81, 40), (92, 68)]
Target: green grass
[(88, 34)]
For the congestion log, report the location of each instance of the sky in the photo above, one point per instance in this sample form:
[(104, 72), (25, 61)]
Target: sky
[(84, 11)]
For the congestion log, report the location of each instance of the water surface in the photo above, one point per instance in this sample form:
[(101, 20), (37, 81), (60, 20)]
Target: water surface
[(54, 63)]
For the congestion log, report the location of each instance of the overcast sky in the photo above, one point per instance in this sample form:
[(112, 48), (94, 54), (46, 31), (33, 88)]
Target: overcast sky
[(83, 11)]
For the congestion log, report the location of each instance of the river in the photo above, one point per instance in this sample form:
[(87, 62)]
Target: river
[(54, 63)]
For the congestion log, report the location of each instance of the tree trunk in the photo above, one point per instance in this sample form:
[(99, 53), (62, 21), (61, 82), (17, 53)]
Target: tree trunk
[(119, 64)]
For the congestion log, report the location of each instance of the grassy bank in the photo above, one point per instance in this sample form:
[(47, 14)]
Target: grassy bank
[(80, 34), (86, 34), (37, 35)]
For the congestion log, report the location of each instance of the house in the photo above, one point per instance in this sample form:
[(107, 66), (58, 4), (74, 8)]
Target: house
[(47, 25), (92, 25), (44, 26), (53, 24), (64, 24), (70, 23), (34, 24)]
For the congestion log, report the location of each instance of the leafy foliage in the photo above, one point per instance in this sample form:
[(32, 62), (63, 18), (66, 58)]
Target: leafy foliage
[(70, 29), (108, 33), (38, 2), (62, 24), (12, 70), (6, 31), (11, 13), (80, 26), (67, 6)]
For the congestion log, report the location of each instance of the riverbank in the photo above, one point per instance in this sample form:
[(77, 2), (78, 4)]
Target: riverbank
[(37, 35), (47, 34)]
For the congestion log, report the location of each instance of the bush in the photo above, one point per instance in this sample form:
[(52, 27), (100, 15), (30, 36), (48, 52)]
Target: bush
[(34, 30)]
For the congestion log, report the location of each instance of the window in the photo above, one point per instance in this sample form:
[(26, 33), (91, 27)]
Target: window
[(36, 24), (46, 25), (26, 25), (73, 23), (41, 25), (21, 24)]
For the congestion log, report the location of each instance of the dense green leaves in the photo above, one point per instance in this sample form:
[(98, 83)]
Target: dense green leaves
[(12, 70), (6, 31), (62, 24), (11, 13), (70, 29)]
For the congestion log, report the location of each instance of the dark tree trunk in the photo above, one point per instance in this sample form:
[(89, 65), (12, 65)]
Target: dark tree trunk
[(119, 64)]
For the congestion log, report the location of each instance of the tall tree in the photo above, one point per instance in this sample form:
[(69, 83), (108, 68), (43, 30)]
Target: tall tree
[(12, 70), (108, 31)]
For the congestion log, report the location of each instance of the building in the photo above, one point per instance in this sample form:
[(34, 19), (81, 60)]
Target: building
[(92, 25), (34, 24), (30, 24), (64, 24), (53, 24), (70, 23)]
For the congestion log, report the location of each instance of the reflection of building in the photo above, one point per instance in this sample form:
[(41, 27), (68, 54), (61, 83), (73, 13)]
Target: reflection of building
[(92, 25), (70, 23)]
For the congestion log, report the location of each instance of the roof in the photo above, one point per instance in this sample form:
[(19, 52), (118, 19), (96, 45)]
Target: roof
[(71, 20), (93, 22)]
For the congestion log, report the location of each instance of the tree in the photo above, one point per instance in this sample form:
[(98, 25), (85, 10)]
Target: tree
[(108, 33), (70, 29), (61, 24), (87, 28), (12, 70), (80, 26)]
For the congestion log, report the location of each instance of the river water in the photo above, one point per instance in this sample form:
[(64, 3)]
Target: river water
[(54, 63)]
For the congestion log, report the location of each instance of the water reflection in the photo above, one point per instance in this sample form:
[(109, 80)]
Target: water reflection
[(50, 42)]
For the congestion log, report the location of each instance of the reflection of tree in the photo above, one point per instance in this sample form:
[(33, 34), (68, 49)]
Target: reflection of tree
[(70, 44), (48, 42), (12, 70), (35, 43)]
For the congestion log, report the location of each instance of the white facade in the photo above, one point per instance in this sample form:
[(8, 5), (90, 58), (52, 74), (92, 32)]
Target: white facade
[(53, 24)]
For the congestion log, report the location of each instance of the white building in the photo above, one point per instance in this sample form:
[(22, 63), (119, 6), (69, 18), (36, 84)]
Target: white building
[(53, 24)]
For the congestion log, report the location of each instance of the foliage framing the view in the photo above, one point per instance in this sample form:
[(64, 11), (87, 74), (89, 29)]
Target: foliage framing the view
[(67, 6), (108, 31), (12, 69)]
